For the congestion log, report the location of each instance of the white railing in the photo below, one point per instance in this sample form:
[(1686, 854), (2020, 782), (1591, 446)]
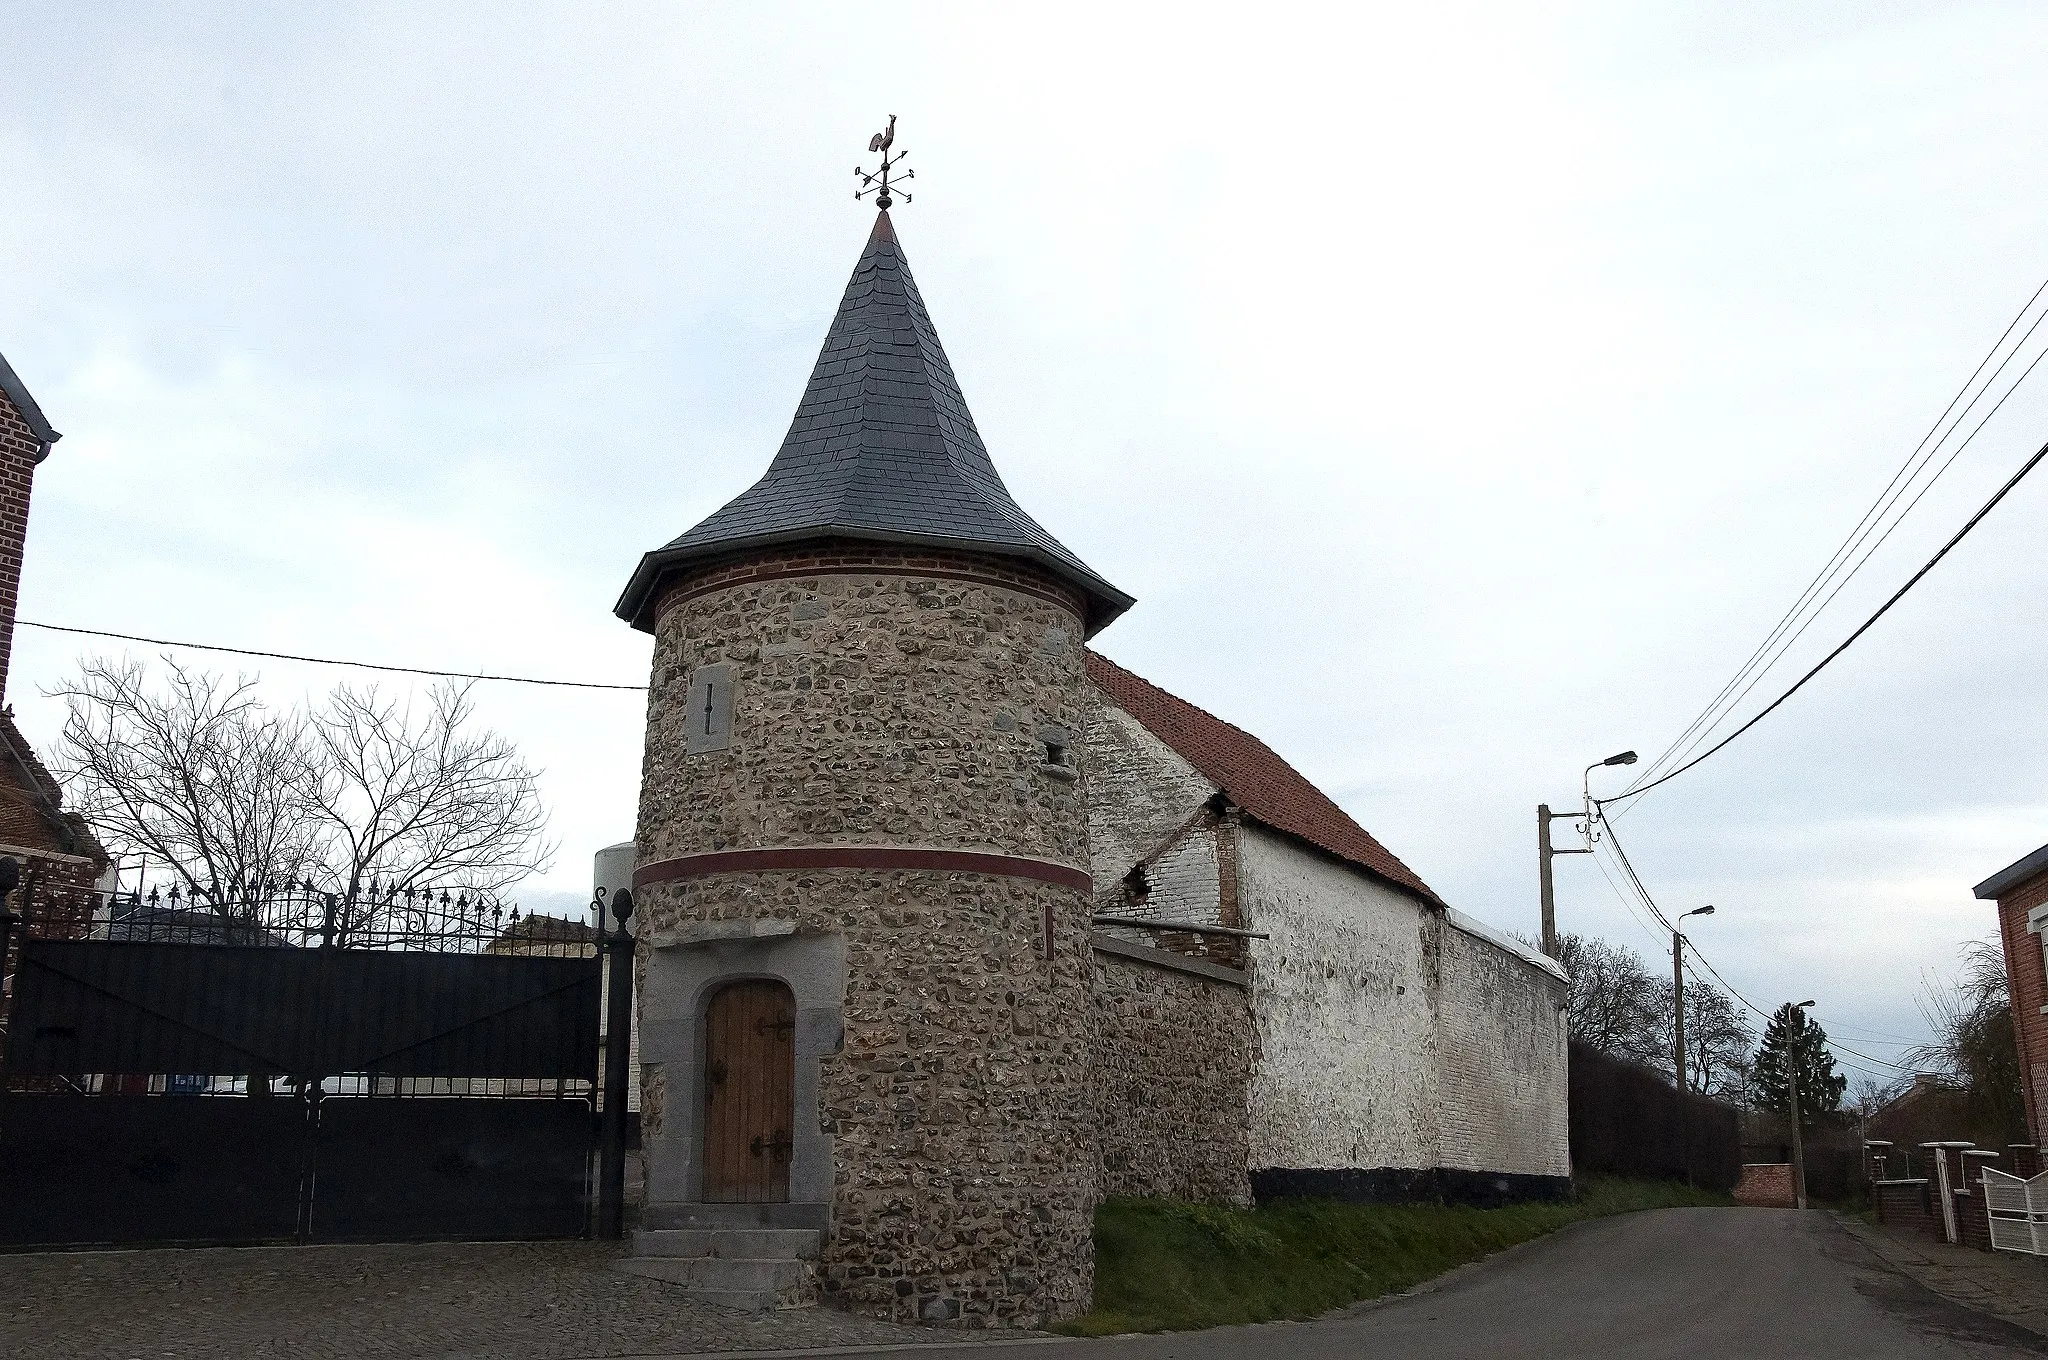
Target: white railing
[(2019, 1212)]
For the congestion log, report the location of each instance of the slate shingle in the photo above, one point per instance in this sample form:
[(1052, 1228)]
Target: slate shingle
[(882, 447)]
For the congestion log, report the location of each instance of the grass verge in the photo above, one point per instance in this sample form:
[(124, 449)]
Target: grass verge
[(1161, 1265)]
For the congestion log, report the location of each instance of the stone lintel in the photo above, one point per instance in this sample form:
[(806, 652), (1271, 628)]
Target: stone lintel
[(690, 934), (1166, 958)]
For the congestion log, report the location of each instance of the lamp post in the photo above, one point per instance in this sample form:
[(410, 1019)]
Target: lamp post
[(1678, 1037), (1544, 817), (1678, 995), (1798, 1144)]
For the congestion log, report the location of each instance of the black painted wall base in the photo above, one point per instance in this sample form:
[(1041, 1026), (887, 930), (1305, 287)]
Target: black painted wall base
[(1390, 1185)]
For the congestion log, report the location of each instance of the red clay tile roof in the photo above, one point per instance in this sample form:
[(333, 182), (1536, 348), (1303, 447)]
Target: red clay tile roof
[(1251, 775)]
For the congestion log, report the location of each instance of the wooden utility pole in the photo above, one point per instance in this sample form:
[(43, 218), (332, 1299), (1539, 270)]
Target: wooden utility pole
[(1678, 1008), (1546, 888), (1798, 1144)]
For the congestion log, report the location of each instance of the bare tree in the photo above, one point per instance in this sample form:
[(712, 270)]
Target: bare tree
[(1974, 1046), (1718, 1042), (200, 778), (408, 797), (197, 776), (1617, 1006)]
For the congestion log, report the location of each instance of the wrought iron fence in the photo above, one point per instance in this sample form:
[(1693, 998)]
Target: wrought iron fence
[(383, 916), (300, 915)]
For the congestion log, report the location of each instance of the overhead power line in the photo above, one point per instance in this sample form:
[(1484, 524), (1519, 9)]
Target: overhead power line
[(1622, 856), (1863, 628), (327, 660), (1775, 644)]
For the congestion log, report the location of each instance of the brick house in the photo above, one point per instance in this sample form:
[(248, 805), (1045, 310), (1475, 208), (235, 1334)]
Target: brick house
[(2021, 891), (53, 846)]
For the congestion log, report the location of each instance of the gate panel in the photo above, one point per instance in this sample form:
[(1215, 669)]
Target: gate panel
[(108, 1006), (426, 1167), (424, 1068), (105, 1170), (469, 1015)]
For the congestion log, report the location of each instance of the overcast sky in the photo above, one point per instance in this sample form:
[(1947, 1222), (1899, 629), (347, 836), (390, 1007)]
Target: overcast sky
[(1462, 391)]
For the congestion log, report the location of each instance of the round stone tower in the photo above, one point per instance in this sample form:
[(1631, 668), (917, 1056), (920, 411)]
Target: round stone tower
[(862, 879)]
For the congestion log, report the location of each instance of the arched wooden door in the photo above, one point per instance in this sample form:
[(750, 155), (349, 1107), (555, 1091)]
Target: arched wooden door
[(749, 1093)]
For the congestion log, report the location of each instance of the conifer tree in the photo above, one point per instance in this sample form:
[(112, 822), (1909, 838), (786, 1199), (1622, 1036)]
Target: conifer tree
[(1794, 1043)]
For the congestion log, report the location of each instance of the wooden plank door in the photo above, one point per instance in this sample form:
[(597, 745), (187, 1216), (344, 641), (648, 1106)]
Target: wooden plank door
[(749, 1093)]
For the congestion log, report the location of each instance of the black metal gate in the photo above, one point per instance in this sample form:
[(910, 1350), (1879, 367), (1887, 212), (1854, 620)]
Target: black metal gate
[(279, 1065)]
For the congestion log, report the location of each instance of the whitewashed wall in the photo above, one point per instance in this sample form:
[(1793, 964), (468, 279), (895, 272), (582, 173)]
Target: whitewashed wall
[(1387, 1034), (1346, 1073), (1139, 793)]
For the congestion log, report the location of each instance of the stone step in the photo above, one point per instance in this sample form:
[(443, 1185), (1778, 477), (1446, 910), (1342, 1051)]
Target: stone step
[(676, 1215), (741, 1243), (752, 1285)]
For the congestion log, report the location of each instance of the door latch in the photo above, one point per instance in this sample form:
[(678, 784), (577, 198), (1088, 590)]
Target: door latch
[(777, 1147)]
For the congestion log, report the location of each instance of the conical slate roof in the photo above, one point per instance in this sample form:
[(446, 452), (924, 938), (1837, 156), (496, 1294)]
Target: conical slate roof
[(882, 448)]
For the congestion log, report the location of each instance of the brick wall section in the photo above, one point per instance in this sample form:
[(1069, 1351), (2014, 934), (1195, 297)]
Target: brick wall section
[(1503, 1069), (1907, 1205), (1172, 1070), (1140, 794), (2029, 985), (18, 450), (32, 818), (1973, 1220), (1766, 1185)]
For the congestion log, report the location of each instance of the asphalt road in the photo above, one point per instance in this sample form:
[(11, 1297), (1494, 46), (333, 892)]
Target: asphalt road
[(1745, 1284)]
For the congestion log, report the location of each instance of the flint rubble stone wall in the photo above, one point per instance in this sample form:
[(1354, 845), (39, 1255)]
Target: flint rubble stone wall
[(1172, 1070)]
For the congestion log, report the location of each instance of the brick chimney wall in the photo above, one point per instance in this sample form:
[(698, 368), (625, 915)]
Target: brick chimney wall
[(18, 450)]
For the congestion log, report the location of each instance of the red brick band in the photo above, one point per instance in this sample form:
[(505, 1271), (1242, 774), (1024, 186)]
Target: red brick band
[(861, 857), (857, 558), (936, 573)]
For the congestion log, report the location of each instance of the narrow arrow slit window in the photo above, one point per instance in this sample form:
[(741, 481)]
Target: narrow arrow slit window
[(709, 709)]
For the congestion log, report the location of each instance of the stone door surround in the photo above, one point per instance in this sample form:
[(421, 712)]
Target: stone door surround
[(683, 973)]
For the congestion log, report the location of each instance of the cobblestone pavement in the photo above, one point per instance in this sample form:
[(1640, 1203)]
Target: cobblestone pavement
[(472, 1301), (2000, 1283)]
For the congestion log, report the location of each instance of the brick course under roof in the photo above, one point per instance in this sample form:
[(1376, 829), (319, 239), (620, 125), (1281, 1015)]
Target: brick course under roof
[(882, 447), (1252, 775)]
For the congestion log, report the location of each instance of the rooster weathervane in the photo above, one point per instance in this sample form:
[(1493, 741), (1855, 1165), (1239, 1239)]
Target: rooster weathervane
[(878, 182)]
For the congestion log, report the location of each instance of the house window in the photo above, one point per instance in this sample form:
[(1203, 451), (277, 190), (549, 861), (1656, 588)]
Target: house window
[(708, 711)]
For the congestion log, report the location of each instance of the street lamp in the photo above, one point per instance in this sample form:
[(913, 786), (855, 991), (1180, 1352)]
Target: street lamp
[(1792, 1078), (1586, 783), (1678, 994), (1544, 817)]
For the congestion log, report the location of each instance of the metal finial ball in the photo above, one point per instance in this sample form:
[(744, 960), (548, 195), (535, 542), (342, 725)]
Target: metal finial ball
[(882, 202), (622, 905)]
